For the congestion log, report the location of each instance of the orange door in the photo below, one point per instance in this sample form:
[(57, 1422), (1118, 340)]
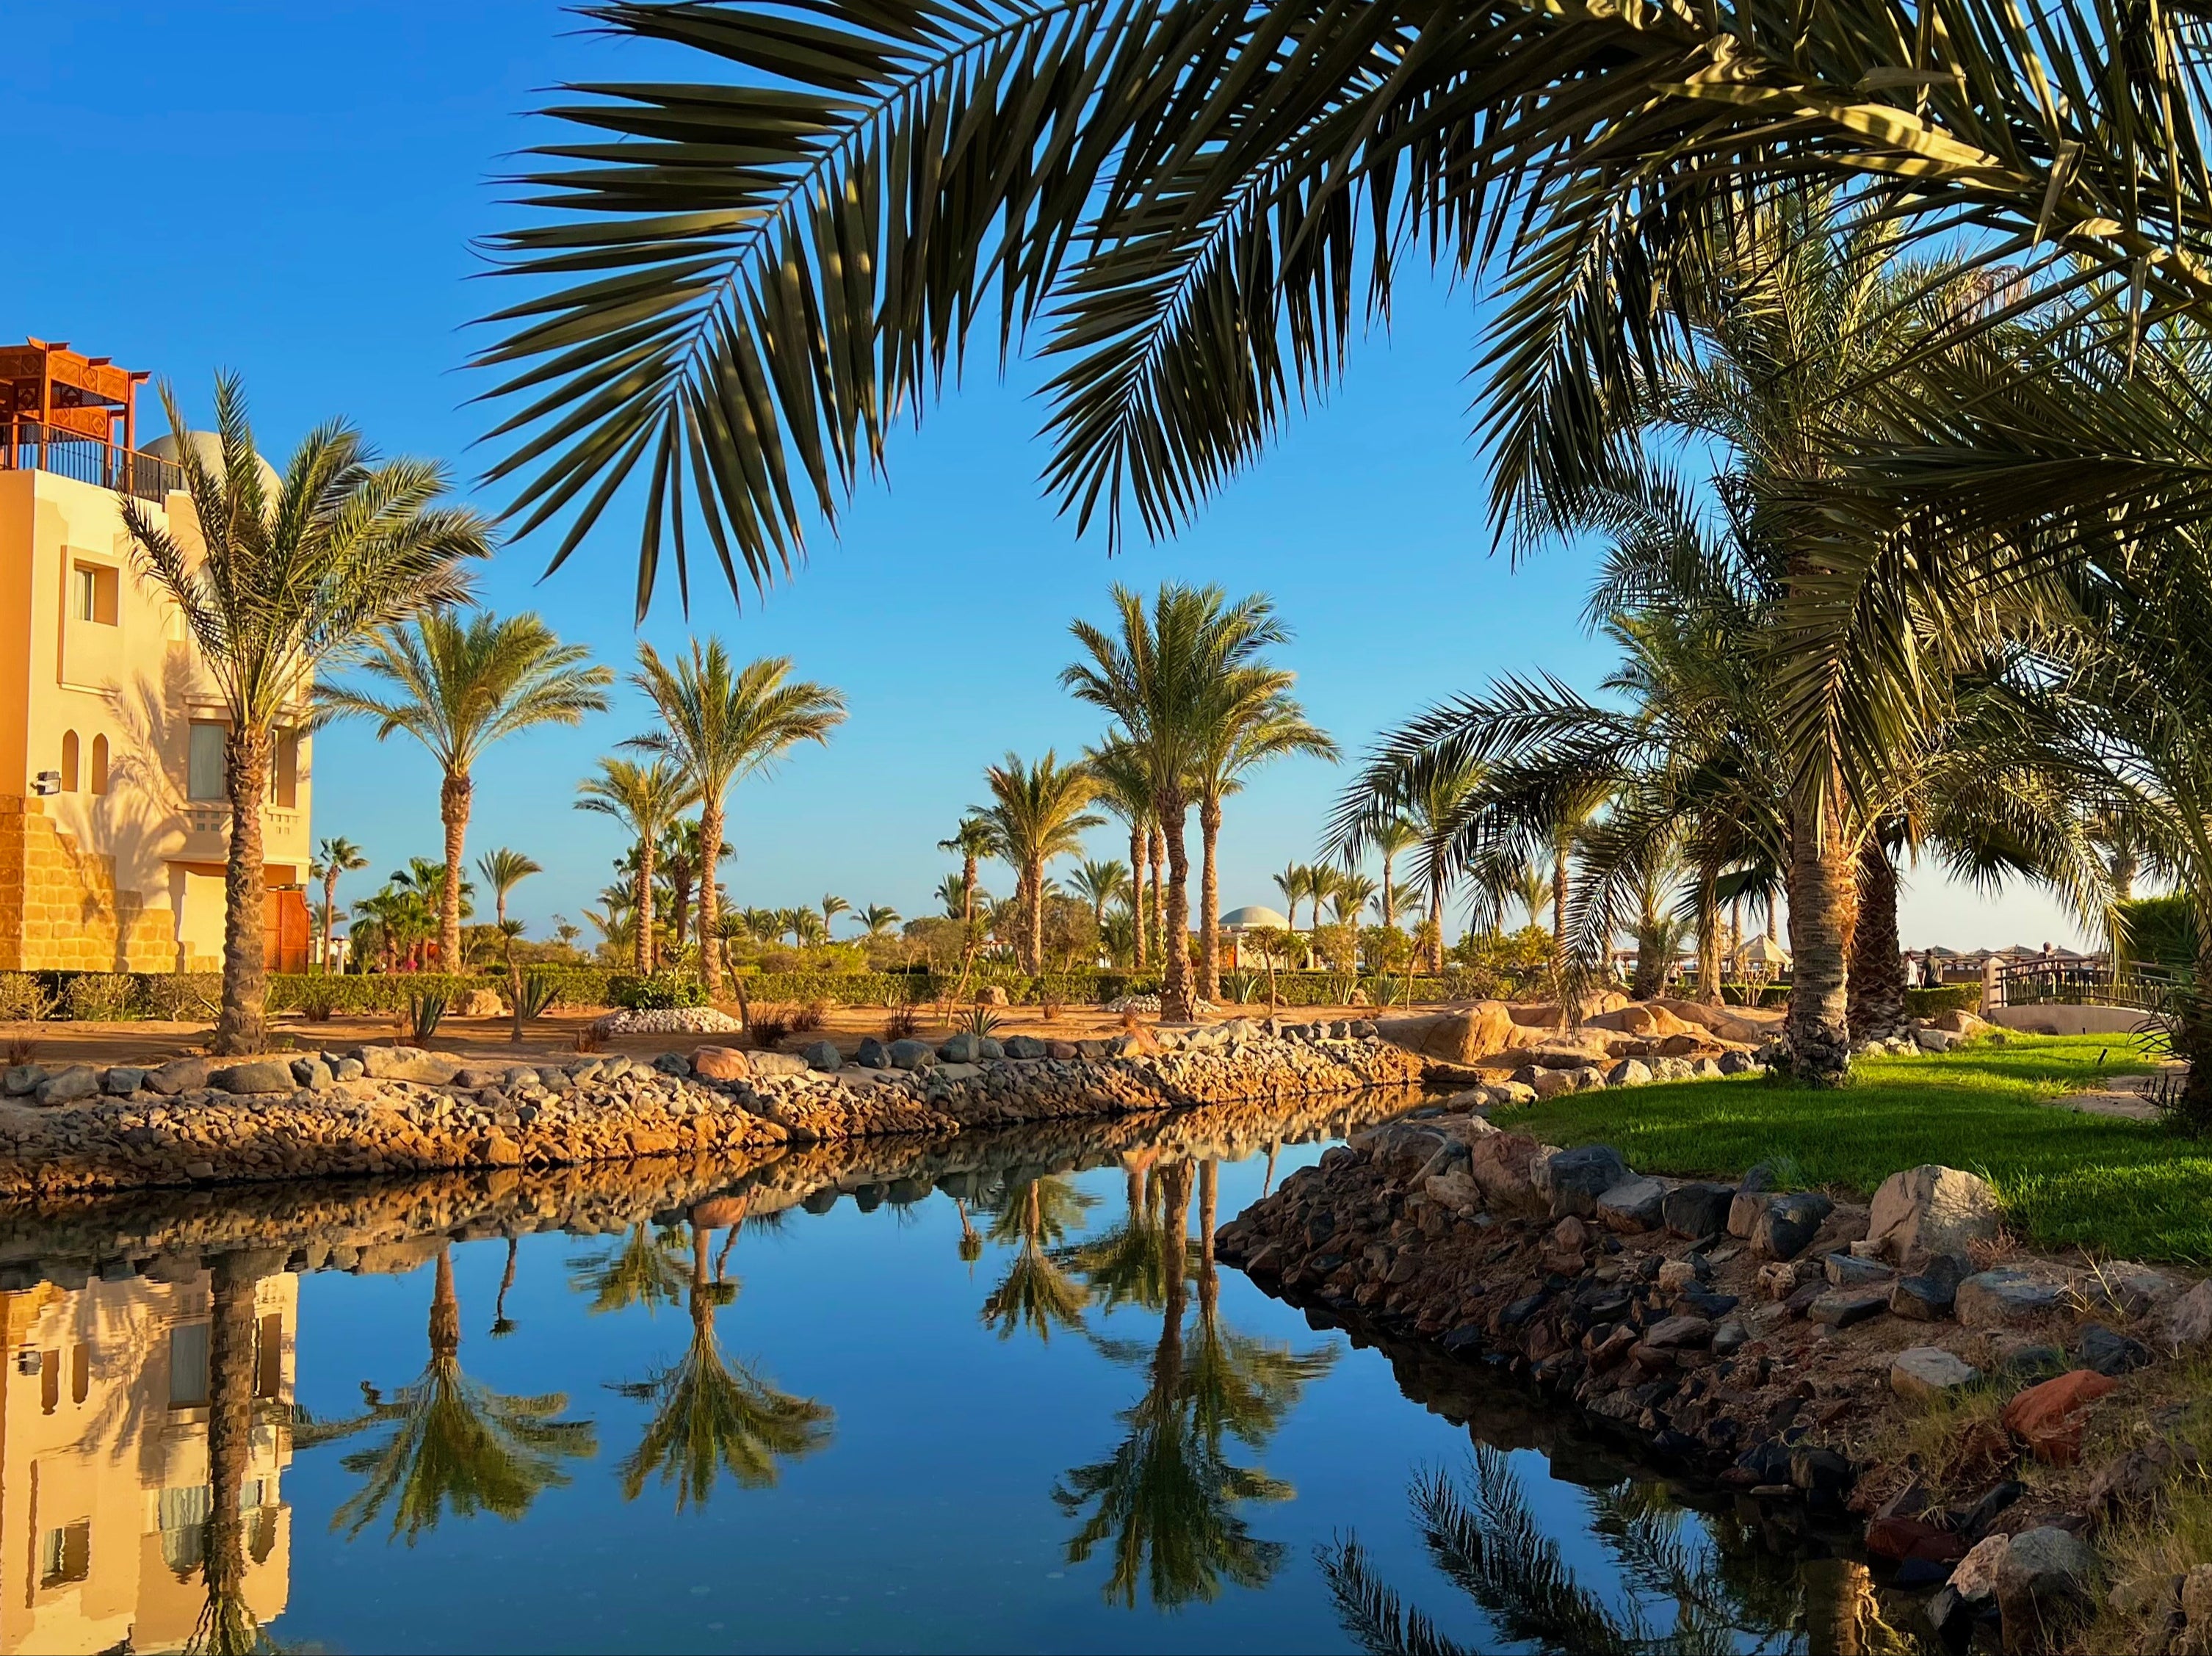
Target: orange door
[(285, 929)]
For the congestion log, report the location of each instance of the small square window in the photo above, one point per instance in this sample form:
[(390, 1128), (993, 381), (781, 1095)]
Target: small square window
[(188, 1366), (205, 777), (66, 1555), (96, 596)]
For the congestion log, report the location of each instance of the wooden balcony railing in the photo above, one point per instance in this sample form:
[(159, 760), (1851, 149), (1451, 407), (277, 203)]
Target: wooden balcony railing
[(29, 446)]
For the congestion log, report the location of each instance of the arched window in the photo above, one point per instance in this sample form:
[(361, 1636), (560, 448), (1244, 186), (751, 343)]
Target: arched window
[(68, 761), (100, 764)]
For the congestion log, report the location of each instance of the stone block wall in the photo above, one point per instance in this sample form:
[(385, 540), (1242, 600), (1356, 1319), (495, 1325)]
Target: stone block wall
[(60, 908)]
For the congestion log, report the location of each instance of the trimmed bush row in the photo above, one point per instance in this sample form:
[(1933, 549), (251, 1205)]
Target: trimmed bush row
[(1950, 997)]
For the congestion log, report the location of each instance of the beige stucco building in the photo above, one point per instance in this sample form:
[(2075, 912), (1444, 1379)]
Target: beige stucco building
[(113, 820), (103, 1477)]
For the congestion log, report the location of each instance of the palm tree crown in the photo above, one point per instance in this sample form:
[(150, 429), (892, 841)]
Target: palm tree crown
[(645, 799), (1036, 813)]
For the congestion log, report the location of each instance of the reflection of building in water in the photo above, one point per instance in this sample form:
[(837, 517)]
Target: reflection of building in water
[(103, 1477)]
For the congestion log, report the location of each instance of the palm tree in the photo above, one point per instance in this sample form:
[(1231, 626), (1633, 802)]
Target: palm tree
[(971, 842), (1352, 893), (504, 870), (1295, 882), (1173, 203), (450, 1442), (1036, 813), (1125, 789), (721, 725), (1099, 884), (335, 857), (879, 918), (1531, 885), (1391, 840), (1261, 724), (1169, 678), (1037, 1292), (226, 1625), (273, 587), (645, 799), (457, 687), (832, 906)]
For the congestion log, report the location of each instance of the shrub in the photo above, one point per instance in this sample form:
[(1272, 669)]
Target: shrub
[(318, 1001), (2160, 930), (425, 1009), (660, 994), (1951, 998), (810, 1017), (769, 1024), (541, 991), (23, 998), (905, 1020), (101, 997), (183, 996), (982, 1020)]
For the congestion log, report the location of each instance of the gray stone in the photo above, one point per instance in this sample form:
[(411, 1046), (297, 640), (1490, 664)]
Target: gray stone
[(1676, 1334), (1736, 1064), (822, 1055), (2189, 1321), (1975, 1577), (407, 1063), (1924, 1372), (555, 1079), (1572, 1181), (2110, 1353), (962, 1048), (21, 1079), (777, 1064), (261, 1075), (1928, 1294), (1698, 1210), (123, 1080), (1729, 1337), (312, 1072), (2021, 1358), (1841, 1308), (2002, 1299), (872, 1054), (911, 1055), (1849, 1270), (1931, 1210), (989, 1049), (348, 1069), (1787, 1224), (1629, 1072), (2044, 1573), (182, 1075), (671, 1064), (67, 1086), (1933, 1040), (2124, 1289), (1633, 1204), (1508, 1094), (1025, 1046), (1704, 1069)]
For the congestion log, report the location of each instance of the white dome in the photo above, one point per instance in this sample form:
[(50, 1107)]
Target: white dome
[(1255, 914), (208, 445)]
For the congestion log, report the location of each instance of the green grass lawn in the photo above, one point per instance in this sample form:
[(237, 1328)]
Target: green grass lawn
[(2121, 1188)]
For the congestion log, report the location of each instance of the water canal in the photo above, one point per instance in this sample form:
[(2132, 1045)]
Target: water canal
[(986, 1395)]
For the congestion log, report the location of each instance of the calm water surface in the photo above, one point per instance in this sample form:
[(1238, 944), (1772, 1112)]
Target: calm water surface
[(990, 1395)]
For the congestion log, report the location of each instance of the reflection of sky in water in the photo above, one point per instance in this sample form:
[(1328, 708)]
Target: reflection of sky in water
[(927, 1523)]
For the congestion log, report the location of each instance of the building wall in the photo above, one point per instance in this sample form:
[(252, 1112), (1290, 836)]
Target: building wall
[(109, 702)]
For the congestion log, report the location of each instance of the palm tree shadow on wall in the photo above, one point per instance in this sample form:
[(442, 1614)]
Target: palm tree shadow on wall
[(1726, 1593)]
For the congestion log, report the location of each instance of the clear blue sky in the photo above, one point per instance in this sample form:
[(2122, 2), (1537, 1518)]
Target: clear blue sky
[(290, 191)]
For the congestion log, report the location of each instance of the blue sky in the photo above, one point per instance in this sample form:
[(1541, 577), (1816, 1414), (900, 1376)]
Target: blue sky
[(291, 191)]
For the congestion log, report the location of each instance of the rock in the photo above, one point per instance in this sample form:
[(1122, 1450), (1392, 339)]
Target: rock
[(21, 1079), (1503, 1165), (2049, 1418), (312, 1072), (1849, 1270), (1843, 1307), (2109, 1353), (478, 1004), (822, 1055), (1926, 1372), (1511, 1094), (122, 1080), (1698, 1210), (962, 1048), (1024, 1046), (1572, 1181), (1548, 1083), (1629, 1072), (2189, 1320), (474, 1078), (871, 1054), (264, 1075), (1468, 1037), (722, 1064), (407, 1063), (2127, 1487), (1678, 1333), (1975, 1579), (1675, 1275), (2042, 1577), (1787, 1224), (991, 995), (988, 1049), (1929, 1296), (182, 1075), (1820, 1473), (1963, 1024), (1064, 1051), (346, 1069), (1729, 1337), (78, 1080), (2124, 1289), (669, 1064), (777, 1064), (2018, 1356), (1933, 1040), (2004, 1298), (1633, 1206), (496, 1149), (1931, 1210), (1897, 1538), (912, 1054)]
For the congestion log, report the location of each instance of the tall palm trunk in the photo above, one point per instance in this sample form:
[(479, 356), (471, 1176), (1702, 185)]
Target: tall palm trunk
[(1167, 1362), (1389, 895), (239, 1028), (1209, 902), (1159, 857), (2192, 1014), (229, 1438), (1709, 936), (710, 902), (1876, 994), (642, 948), (1436, 929), (1174, 978), (1033, 917), (454, 807), (330, 915), (1140, 844), (444, 1307), (1209, 1202), (1822, 876), (2125, 863)]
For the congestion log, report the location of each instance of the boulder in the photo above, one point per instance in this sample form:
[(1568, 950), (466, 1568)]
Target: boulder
[(21, 1079), (123, 1079), (1647, 1020), (1975, 1579), (2110, 1353), (1633, 1206), (1698, 1209), (2189, 1320), (261, 1075), (2050, 1418), (1501, 1164), (1678, 1333), (1843, 1307), (312, 1072), (722, 1064), (777, 1064), (1850, 1270), (822, 1055), (912, 1055), (1931, 1210), (1629, 1072), (1928, 1294), (669, 1064), (1064, 1051), (1965, 1025), (78, 1080), (1722, 1021), (962, 1048), (478, 1004), (1923, 1374), (182, 1075), (991, 995), (1469, 1036), (407, 1063), (1024, 1046), (1933, 1040), (1787, 1224), (495, 1150), (871, 1054), (2042, 1578), (2002, 1299), (1571, 1181)]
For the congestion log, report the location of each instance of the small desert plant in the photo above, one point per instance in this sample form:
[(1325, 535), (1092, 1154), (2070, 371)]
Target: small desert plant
[(18, 1049), (903, 1024), (809, 1017), (101, 997), (769, 1023), (1240, 985), (589, 1040), (982, 1020), (425, 1009), (658, 993), (1049, 1005), (182, 997), (23, 998), (317, 1001)]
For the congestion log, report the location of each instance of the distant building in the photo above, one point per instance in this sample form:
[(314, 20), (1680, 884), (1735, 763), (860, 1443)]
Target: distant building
[(113, 818)]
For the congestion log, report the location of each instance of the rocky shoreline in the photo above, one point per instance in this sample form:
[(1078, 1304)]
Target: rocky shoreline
[(1779, 1341), (385, 1109)]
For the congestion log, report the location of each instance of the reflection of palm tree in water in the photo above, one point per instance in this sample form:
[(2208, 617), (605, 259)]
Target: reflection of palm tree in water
[(227, 1626), (1125, 1265), (644, 1269), (449, 1440), (502, 1325), (971, 1243), (1165, 1500), (1486, 1541), (712, 1414), (1036, 1292)]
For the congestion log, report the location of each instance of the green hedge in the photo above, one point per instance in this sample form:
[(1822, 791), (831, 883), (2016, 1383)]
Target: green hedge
[(1951, 998), (2160, 931)]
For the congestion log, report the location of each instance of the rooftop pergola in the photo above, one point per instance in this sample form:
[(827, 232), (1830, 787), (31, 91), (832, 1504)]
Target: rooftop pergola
[(68, 394)]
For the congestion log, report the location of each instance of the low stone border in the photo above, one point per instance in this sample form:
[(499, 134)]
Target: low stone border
[(1761, 1335), (391, 1109)]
